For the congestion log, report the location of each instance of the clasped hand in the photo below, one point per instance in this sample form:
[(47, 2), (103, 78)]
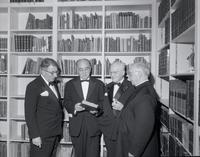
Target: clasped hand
[(116, 105)]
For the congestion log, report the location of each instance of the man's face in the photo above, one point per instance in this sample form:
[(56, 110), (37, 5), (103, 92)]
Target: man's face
[(132, 76), (116, 73), (84, 70), (50, 73)]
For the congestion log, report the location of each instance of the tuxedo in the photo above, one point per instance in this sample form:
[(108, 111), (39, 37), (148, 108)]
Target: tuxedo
[(43, 115), (83, 126), (110, 120), (138, 125)]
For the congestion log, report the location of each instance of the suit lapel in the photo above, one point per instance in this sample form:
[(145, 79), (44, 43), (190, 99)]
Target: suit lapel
[(77, 85), (90, 88), (46, 87)]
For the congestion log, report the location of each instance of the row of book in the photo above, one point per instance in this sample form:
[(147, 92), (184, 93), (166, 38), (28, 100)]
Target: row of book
[(76, 0), (13, 1), (183, 131), (32, 43), (3, 149), (20, 150), (3, 63), (35, 23), (163, 64), (127, 20), (170, 147), (92, 44), (163, 10), (142, 44), (164, 118), (181, 97), (167, 30), (3, 85), (3, 130), (72, 20), (20, 131), (183, 17), (3, 44), (3, 108), (68, 66), (31, 66)]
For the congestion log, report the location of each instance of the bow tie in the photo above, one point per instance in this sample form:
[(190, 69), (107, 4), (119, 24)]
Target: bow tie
[(52, 83), (115, 83), (85, 81)]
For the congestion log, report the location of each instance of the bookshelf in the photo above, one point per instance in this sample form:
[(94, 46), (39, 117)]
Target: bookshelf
[(178, 76), (66, 30)]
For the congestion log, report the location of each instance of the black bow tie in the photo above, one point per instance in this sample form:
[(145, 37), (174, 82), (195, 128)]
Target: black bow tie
[(52, 83), (85, 80), (115, 83)]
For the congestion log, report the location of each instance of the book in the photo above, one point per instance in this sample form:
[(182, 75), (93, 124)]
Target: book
[(89, 105)]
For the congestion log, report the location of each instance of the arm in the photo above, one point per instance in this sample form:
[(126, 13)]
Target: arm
[(143, 123), (67, 102), (31, 100)]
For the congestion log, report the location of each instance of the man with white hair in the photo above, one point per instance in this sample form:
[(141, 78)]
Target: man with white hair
[(140, 138)]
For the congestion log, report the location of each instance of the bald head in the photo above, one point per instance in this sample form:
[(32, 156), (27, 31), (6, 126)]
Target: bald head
[(83, 68), (117, 71)]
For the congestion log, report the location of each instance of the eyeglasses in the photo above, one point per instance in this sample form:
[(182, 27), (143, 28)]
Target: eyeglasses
[(52, 72)]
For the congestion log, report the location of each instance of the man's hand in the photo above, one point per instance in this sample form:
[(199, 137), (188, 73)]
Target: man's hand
[(93, 112), (116, 105), (130, 155), (37, 141), (78, 107)]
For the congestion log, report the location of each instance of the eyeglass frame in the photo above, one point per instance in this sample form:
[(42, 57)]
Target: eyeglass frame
[(53, 72)]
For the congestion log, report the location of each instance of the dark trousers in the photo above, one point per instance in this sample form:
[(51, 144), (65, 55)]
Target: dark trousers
[(86, 146), (48, 148), (110, 146)]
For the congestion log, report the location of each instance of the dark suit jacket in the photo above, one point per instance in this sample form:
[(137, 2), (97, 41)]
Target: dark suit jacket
[(73, 94), (139, 118), (43, 114), (123, 95), (108, 122)]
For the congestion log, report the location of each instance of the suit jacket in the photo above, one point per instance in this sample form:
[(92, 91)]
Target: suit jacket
[(43, 112), (73, 94), (140, 123), (108, 122), (121, 91)]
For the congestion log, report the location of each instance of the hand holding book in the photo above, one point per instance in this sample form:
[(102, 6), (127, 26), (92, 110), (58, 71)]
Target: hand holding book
[(89, 106)]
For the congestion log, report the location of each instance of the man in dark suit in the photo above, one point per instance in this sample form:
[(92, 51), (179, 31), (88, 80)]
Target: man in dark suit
[(118, 92), (138, 131), (83, 126), (43, 111)]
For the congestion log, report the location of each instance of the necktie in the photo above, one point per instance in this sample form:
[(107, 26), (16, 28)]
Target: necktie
[(52, 83)]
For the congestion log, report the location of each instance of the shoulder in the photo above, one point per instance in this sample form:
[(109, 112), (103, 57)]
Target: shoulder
[(35, 83)]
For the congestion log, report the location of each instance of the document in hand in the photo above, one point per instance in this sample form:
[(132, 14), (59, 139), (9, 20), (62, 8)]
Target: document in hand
[(89, 105)]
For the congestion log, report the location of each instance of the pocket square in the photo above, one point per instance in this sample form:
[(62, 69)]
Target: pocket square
[(45, 93)]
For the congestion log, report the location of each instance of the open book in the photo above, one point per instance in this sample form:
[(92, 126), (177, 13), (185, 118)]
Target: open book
[(89, 105)]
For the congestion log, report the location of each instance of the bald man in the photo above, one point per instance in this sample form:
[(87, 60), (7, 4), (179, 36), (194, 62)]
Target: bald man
[(117, 93), (83, 126)]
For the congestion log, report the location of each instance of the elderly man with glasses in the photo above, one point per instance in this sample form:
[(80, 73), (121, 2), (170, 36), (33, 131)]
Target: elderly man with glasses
[(43, 111)]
